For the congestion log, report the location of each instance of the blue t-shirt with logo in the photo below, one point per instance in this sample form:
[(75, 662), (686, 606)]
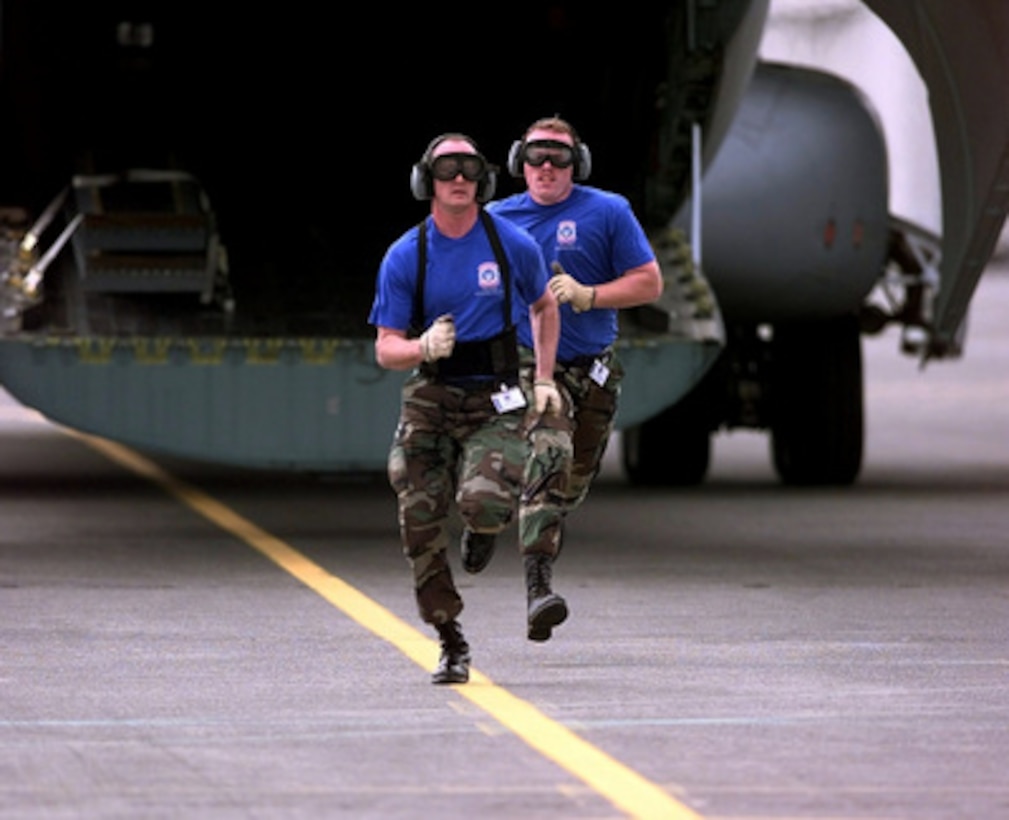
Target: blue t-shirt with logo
[(595, 235), (462, 278)]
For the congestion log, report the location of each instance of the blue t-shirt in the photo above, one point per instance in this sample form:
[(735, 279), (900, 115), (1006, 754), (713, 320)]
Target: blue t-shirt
[(462, 278), (595, 235)]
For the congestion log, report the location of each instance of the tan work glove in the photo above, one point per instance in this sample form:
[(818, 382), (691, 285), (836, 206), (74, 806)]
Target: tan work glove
[(566, 288), (547, 397), (438, 340)]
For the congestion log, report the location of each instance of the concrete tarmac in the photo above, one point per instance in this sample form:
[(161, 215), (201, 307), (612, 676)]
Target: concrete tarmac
[(185, 640)]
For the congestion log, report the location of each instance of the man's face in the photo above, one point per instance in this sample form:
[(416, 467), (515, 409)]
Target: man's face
[(455, 177), (548, 183)]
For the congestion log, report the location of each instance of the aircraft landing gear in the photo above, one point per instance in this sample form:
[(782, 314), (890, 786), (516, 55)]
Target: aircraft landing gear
[(672, 449), (816, 402)]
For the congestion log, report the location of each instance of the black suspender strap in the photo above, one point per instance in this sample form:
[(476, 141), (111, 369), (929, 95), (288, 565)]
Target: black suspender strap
[(497, 356), (499, 255)]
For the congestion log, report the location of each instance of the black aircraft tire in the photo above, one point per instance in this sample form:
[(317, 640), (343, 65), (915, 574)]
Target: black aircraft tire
[(817, 416), (671, 449)]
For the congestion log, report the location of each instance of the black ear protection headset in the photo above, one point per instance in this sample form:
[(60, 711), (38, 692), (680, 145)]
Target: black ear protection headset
[(583, 159), (422, 184)]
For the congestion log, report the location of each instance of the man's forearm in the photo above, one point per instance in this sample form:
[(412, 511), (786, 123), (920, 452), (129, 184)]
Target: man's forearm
[(546, 325)]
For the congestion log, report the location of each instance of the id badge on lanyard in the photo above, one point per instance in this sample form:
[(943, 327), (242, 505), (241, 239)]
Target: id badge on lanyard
[(508, 398), (599, 373)]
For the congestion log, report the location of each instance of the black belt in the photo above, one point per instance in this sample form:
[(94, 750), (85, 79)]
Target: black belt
[(496, 358), (588, 361)]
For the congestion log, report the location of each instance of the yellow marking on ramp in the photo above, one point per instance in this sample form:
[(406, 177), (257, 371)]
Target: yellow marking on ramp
[(623, 787)]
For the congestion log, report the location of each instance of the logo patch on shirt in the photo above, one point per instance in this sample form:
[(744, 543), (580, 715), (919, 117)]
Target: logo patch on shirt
[(489, 276), (567, 232)]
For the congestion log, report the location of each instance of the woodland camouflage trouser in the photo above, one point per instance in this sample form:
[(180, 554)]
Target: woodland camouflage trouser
[(451, 443), (566, 452)]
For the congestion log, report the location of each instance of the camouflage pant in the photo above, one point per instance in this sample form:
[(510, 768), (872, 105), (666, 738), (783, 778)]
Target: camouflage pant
[(451, 444), (566, 452)]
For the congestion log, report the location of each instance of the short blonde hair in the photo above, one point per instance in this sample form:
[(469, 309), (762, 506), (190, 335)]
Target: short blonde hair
[(554, 123)]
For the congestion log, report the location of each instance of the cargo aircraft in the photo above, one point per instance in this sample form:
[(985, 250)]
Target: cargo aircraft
[(195, 197)]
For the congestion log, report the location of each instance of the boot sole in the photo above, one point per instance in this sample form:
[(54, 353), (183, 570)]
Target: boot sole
[(476, 560), (450, 677), (453, 673), (543, 621)]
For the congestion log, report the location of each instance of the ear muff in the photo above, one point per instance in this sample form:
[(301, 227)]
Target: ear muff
[(420, 181), (422, 185), (486, 187), (583, 160), (514, 163)]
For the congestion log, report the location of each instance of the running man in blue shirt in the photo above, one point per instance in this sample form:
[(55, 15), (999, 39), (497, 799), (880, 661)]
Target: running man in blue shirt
[(602, 261), (468, 279)]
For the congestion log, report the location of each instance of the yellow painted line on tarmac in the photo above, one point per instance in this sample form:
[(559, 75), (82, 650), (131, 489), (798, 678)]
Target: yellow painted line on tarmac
[(625, 788)]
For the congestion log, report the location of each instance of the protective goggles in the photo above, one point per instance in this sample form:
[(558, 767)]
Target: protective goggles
[(537, 152), (447, 167)]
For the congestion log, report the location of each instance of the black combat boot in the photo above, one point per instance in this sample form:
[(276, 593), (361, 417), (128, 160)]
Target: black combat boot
[(453, 665), (546, 608), (477, 549)]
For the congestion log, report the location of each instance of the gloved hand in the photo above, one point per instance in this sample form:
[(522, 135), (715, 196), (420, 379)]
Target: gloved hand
[(566, 288), (547, 397), (438, 340)]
